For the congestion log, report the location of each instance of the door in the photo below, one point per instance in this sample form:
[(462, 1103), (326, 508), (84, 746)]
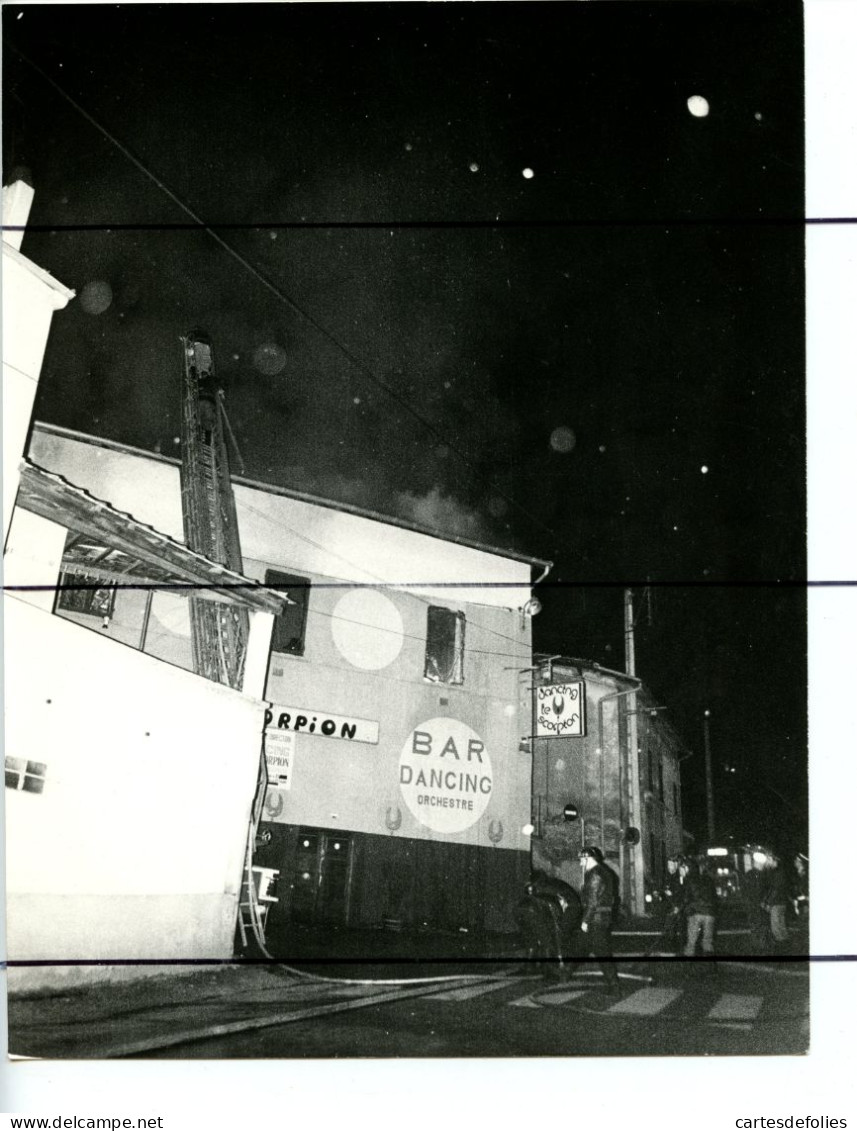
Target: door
[(321, 883)]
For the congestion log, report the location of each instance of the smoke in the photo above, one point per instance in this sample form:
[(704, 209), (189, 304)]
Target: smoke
[(442, 514)]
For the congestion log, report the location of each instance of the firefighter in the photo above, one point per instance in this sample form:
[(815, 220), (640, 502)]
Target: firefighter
[(566, 909), (548, 916), (674, 929), (800, 885), (600, 897), (775, 899), (758, 919), (699, 898)]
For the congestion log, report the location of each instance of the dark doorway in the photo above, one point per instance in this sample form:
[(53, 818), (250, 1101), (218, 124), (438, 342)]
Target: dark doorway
[(321, 880)]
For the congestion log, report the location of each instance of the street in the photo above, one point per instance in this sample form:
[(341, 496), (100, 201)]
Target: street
[(742, 1008), (686, 1012)]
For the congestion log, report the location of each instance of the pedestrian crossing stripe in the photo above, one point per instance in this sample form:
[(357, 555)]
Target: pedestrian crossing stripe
[(729, 1010), (526, 1003), (646, 1002), (557, 997), (547, 997), (735, 1007), (465, 993)]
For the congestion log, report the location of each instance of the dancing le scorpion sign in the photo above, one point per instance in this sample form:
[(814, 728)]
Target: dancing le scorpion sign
[(560, 710)]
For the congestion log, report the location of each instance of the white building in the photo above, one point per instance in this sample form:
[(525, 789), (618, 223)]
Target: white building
[(129, 782), (30, 297)]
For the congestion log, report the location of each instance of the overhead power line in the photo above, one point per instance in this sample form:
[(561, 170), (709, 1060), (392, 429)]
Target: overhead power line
[(277, 291), (374, 577)]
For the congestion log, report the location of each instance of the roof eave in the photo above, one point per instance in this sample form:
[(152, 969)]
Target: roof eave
[(302, 496), (52, 497)]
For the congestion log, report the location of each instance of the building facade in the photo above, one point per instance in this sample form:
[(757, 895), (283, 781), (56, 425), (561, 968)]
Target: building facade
[(605, 772), (398, 698)]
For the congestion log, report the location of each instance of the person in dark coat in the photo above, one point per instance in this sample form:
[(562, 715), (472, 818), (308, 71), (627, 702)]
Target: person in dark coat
[(600, 898), (537, 927), (775, 900), (567, 910), (699, 900), (548, 916), (758, 920), (800, 885), (675, 925)]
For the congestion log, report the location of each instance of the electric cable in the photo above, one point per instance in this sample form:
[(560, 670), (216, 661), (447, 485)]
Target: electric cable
[(277, 291), (181, 591), (373, 577)]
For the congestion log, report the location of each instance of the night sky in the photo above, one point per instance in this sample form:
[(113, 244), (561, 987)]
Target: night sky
[(516, 291)]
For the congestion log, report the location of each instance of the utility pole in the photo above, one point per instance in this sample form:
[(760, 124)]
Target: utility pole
[(709, 780), (635, 851)]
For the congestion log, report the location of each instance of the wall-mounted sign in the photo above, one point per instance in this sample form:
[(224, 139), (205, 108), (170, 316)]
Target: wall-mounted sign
[(560, 710), (302, 720), (279, 756), (445, 775)]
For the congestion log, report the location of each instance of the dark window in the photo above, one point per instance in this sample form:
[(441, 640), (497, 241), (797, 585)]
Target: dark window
[(660, 779), (82, 593), (445, 645), (28, 776), (290, 626)]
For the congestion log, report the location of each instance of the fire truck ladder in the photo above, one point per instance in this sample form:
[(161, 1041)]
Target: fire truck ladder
[(219, 631)]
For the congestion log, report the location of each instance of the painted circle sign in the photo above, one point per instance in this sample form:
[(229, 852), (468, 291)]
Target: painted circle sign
[(445, 775)]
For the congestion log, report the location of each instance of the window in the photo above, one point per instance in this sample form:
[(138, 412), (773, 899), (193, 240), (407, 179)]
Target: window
[(28, 776), (675, 797), (660, 779), (82, 593), (290, 625), (444, 645)]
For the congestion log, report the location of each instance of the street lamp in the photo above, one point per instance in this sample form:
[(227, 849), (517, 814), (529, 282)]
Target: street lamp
[(709, 781)]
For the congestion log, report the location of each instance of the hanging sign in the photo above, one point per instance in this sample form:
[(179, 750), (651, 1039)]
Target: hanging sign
[(560, 710), (303, 720)]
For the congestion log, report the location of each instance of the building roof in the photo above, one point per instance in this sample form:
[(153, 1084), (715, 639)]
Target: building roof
[(62, 293), (587, 666), (304, 497), (648, 703), (109, 543)]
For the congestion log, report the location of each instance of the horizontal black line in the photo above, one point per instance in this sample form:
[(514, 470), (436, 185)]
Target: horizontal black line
[(404, 225), (540, 965), (405, 960), (617, 959), (239, 587)]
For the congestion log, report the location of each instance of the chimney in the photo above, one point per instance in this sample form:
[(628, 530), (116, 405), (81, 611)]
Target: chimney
[(17, 199)]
